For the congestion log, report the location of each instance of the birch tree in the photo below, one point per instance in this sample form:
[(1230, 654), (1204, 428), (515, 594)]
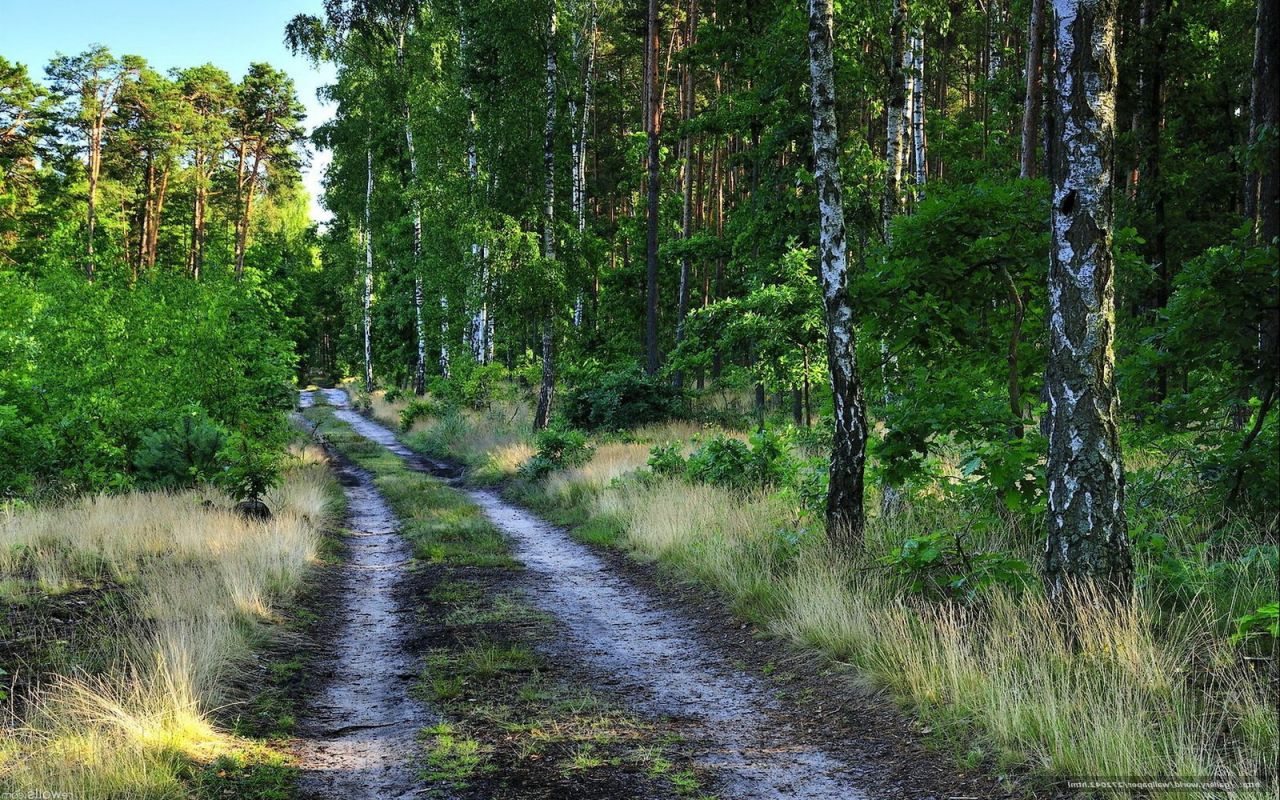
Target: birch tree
[(543, 414), (845, 516), (1087, 534), (917, 111), (897, 120)]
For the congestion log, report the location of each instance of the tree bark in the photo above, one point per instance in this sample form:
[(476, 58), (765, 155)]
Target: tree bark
[(897, 119), (1031, 101), (543, 414), (1262, 203), (917, 112), (686, 217), (845, 516), (420, 333), (1087, 532), (653, 126), (368, 270)]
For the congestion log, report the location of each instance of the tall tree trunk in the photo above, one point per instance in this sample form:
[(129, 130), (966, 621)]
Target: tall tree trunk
[(580, 119), (195, 260), (686, 215), (917, 111), (896, 114), (1262, 202), (845, 516), (1087, 532), (1149, 190), (95, 166), (1031, 101), (368, 269), (543, 414), (249, 185), (653, 127), (420, 332), (157, 214)]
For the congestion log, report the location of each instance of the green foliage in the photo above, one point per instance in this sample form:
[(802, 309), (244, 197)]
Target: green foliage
[(416, 409), (940, 565), (1013, 470), (556, 449), (666, 459), (96, 368), (1265, 622), (724, 461), (181, 454), (251, 468), (483, 385), (621, 398)]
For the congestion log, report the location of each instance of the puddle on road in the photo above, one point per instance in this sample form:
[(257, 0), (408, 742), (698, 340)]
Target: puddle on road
[(653, 656), (359, 738)]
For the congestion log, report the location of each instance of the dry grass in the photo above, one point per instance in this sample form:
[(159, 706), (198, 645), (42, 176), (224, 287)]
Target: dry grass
[(1130, 698), (725, 539), (1116, 703), (608, 462), (194, 574)]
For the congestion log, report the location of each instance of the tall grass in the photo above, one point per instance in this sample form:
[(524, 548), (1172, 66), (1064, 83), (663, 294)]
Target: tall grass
[(195, 578)]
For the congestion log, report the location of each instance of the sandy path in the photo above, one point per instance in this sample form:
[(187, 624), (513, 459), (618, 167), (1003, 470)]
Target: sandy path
[(652, 657), (359, 738)]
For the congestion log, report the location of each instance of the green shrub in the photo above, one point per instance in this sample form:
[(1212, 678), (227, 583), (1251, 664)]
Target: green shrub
[(941, 565), (181, 454), (251, 468), (666, 460), (557, 449), (416, 410), (622, 399), (728, 462), (483, 385), (393, 395)]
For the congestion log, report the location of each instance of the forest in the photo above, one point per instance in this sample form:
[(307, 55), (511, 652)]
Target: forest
[(679, 398)]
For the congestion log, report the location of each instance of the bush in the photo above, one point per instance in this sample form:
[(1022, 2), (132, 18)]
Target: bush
[(393, 395), (557, 449), (940, 565), (622, 399), (728, 462), (251, 468), (416, 410), (665, 459), (182, 454), (483, 385)]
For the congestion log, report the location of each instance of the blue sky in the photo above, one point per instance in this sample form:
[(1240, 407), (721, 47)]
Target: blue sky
[(171, 33)]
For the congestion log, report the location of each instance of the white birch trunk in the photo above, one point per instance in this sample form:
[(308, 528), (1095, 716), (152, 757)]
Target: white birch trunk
[(543, 414), (897, 113), (845, 518), (1087, 534), (917, 112), (368, 270)]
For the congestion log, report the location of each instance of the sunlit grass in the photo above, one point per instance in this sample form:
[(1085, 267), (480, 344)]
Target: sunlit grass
[(195, 577)]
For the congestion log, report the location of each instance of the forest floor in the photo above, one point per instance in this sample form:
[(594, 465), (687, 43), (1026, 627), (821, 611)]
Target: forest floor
[(553, 669)]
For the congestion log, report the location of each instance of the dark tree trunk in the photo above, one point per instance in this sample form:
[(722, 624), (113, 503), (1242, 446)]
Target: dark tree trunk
[(653, 123), (1031, 102)]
